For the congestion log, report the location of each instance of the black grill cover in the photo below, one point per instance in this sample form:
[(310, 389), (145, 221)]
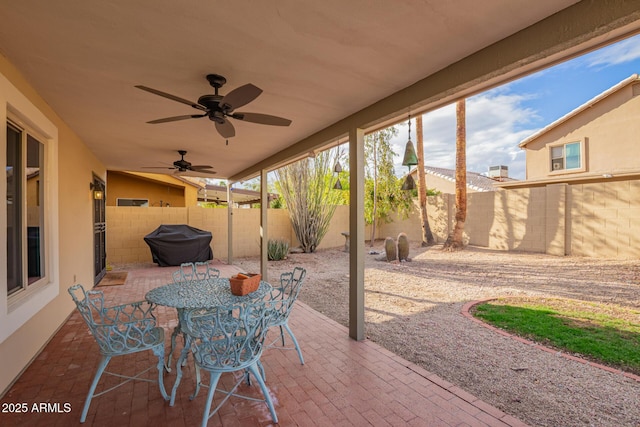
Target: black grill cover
[(175, 244)]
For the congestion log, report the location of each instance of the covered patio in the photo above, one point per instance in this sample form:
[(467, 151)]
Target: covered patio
[(70, 80), (343, 382)]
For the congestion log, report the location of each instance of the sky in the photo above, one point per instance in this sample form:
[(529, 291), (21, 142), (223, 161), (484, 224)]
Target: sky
[(499, 119)]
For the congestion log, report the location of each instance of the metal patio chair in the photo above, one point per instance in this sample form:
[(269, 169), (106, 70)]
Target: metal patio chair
[(186, 273), (228, 338), (204, 271), (282, 299), (119, 330)]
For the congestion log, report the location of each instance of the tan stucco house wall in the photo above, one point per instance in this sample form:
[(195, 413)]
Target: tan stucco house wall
[(607, 128), (27, 321), (160, 190)]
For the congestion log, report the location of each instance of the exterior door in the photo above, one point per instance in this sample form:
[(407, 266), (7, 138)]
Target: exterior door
[(99, 230)]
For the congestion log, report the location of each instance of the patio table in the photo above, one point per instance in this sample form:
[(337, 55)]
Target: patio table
[(198, 294)]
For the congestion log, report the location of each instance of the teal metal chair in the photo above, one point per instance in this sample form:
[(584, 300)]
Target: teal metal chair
[(203, 271), (227, 339), (185, 273), (119, 330), (189, 271), (282, 299)]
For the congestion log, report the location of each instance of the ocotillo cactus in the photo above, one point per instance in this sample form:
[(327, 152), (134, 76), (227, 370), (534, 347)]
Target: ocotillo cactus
[(403, 247), (390, 249)]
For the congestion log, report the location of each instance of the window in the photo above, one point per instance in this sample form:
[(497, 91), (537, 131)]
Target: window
[(144, 203), (29, 225), (25, 209), (566, 157)]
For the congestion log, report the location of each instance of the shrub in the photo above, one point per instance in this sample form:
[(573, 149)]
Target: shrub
[(277, 249)]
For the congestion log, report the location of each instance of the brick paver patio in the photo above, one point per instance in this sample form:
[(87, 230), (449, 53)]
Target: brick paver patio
[(343, 382)]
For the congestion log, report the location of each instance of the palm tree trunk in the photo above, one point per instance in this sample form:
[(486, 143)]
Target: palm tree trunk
[(375, 191), (427, 236), (454, 241)]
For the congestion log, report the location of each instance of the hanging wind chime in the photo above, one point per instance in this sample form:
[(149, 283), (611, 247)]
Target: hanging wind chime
[(410, 159), (337, 169)]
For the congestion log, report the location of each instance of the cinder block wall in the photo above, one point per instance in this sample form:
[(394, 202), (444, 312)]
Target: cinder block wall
[(605, 219), (595, 220)]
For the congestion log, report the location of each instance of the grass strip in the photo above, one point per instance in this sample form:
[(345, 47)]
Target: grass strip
[(600, 333)]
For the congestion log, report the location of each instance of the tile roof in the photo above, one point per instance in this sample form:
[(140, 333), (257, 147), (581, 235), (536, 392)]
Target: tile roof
[(475, 180)]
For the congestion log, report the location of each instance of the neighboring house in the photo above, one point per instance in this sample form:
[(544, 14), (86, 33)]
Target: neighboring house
[(151, 190), (594, 142), (444, 180)]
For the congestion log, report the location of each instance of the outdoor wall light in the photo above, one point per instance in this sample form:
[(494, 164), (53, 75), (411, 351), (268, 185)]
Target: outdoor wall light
[(98, 193)]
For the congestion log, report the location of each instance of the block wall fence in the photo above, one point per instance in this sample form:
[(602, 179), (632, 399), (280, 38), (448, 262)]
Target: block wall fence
[(593, 220)]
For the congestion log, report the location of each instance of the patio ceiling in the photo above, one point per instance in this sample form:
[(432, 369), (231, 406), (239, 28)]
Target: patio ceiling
[(317, 63)]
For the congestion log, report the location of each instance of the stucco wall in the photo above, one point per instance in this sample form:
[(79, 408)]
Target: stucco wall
[(600, 219), (72, 212), (612, 122), (142, 186)]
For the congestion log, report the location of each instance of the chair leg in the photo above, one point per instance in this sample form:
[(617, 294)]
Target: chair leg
[(159, 352), (282, 335), (174, 334), (101, 367), (213, 383), (183, 356), (295, 342), (267, 397)]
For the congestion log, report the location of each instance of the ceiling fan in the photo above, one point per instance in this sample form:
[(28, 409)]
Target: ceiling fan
[(182, 166), (219, 108)]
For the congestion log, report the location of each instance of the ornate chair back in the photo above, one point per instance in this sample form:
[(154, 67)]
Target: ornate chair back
[(203, 270), (186, 273)]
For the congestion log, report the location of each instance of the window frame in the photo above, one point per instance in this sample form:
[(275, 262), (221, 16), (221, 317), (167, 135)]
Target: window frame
[(563, 145), (16, 309), (134, 202), (25, 133)]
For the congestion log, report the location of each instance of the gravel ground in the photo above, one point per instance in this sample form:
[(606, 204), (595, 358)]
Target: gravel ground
[(413, 309)]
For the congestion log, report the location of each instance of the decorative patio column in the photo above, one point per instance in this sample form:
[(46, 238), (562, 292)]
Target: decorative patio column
[(356, 234), (229, 224), (264, 235)]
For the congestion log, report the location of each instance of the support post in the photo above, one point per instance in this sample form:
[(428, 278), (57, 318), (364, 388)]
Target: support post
[(356, 234), (229, 224), (264, 235)]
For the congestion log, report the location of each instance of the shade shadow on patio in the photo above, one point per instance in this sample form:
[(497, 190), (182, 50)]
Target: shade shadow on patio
[(343, 382)]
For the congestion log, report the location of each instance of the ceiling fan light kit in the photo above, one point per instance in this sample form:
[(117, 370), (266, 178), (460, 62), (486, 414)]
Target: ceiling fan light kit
[(219, 108)]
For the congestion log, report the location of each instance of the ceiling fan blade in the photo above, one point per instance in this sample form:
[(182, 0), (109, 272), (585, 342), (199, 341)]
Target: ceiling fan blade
[(176, 118), (172, 97), (204, 171), (156, 167), (240, 96), (200, 167), (263, 119), (226, 129)]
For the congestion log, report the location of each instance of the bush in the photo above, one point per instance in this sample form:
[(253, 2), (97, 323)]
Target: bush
[(277, 249)]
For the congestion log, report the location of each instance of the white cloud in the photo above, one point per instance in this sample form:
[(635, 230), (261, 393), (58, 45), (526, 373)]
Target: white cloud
[(625, 51), (496, 123)]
